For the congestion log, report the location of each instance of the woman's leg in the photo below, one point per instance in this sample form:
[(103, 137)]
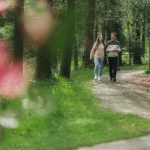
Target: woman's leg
[(101, 61), (97, 66)]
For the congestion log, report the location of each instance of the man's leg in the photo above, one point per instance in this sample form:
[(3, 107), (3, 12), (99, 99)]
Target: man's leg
[(110, 62), (115, 61)]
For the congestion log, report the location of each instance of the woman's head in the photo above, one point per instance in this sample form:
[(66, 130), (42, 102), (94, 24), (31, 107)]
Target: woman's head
[(100, 38)]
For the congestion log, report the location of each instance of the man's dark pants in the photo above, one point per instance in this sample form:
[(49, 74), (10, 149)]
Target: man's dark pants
[(112, 67)]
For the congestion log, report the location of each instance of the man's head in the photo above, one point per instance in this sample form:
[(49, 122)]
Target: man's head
[(113, 36)]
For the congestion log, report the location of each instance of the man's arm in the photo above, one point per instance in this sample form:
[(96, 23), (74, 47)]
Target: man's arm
[(118, 48), (106, 46)]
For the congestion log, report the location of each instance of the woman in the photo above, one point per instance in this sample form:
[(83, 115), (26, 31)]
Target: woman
[(97, 53)]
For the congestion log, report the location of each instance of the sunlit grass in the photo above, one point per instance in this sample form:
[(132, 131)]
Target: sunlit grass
[(134, 67)]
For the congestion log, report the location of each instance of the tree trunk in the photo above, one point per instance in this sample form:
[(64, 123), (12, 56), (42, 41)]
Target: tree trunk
[(149, 50), (89, 35), (104, 37), (43, 60), (143, 34), (129, 43), (69, 40), (96, 29), (75, 56), (18, 34), (137, 51)]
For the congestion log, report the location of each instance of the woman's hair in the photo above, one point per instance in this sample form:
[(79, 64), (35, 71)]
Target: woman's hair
[(98, 41)]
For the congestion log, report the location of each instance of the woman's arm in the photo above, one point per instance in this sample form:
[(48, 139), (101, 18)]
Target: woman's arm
[(93, 50)]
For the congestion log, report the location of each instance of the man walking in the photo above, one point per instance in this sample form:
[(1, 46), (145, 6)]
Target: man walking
[(113, 48)]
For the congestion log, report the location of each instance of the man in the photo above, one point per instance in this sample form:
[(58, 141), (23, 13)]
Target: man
[(113, 48)]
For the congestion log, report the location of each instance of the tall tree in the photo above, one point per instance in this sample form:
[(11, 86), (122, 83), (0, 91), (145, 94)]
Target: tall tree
[(69, 40), (126, 7), (89, 33), (43, 60), (143, 32), (75, 54), (18, 34), (75, 49), (80, 15), (147, 21), (137, 22)]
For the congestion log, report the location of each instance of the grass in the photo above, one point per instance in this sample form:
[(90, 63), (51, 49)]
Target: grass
[(134, 67), (147, 72), (64, 114)]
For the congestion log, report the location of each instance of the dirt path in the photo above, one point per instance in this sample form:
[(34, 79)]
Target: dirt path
[(123, 96), (141, 143), (126, 97)]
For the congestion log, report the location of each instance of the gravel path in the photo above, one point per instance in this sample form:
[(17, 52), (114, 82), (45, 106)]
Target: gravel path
[(141, 143), (123, 96)]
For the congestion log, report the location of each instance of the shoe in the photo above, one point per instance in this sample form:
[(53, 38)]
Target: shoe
[(110, 79), (113, 80), (95, 78), (99, 78)]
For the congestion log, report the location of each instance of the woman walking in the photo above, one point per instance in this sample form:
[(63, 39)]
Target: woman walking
[(97, 53)]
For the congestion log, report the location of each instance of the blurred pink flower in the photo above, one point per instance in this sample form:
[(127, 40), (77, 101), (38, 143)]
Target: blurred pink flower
[(5, 5), (38, 22), (12, 83)]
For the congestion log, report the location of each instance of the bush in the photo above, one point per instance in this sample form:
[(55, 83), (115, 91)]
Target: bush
[(147, 72)]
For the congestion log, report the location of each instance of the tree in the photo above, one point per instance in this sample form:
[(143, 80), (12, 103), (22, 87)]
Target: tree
[(89, 32), (18, 34), (135, 20), (69, 40), (43, 60), (79, 41), (75, 54)]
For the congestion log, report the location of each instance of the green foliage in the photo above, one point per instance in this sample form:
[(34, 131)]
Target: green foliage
[(6, 31), (106, 20), (135, 20), (147, 71), (29, 3), (134, 67)]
